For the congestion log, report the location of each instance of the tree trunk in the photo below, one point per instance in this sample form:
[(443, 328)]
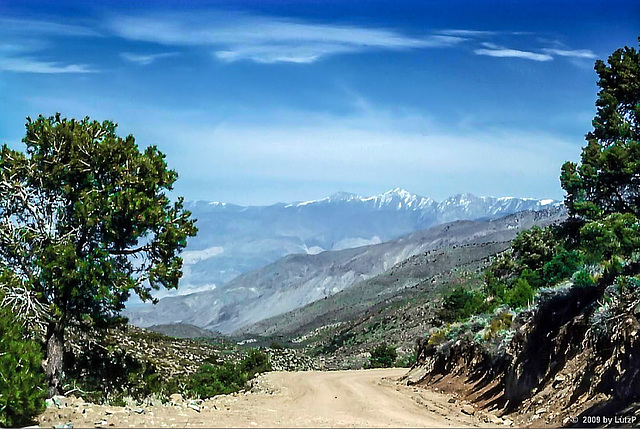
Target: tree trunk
[(53, 362)]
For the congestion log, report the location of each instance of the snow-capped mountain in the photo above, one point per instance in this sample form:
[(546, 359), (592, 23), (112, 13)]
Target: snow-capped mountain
[(296, 280), (234, 239)]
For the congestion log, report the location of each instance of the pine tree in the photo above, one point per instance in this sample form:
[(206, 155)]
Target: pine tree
[(84, 222), (607, 180)]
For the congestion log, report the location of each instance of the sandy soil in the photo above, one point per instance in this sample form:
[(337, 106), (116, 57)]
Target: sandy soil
[(368, 398)]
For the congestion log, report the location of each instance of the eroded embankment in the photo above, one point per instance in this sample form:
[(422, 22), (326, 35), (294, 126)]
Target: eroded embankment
[(571, 360)]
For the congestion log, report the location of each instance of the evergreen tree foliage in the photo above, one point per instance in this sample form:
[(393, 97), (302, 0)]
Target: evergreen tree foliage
[(520, 295), (560, 267), (22, 382), (84, 222), (607, 180), (534, 247), (462, 303)]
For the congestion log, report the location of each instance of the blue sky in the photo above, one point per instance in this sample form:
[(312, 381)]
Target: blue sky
[(256, 102)]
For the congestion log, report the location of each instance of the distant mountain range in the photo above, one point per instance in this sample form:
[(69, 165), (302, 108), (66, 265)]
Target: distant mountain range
[(233, 239), (297, 280)]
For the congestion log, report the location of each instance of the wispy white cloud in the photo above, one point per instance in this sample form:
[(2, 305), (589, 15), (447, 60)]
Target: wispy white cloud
[(32, 65), (144, 59), (513, 53), (467, 33), (577, 53), (267, 39), (21, 39), (493, 50), (33, 27)]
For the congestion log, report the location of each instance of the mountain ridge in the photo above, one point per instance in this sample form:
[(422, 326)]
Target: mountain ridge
[(233, 239), (297, 280)]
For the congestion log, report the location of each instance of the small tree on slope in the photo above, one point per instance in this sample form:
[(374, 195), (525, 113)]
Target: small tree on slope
[(85, 221)]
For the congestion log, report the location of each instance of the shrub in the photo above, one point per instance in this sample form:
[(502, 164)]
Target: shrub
[(438, 336), (463, 303), (22, 385), (499, 322), (406, 361), (532, 277), (562, 266), (383, 356), (211, 380), (255, 363), (520, 295), (534, 247), (584, 279)]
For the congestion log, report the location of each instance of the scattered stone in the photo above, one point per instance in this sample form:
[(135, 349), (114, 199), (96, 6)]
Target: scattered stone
[(139, 411), (176, 398), (451, 401), (57, 400), (194, 407), (63, 426), (468, 409), (496, 420), (100, 423), (541, 411)]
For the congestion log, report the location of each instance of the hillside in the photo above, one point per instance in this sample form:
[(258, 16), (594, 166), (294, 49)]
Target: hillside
[(233, 240), (399, 305), (298, 280)]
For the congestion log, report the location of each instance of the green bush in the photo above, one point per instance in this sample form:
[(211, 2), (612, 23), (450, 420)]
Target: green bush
[(256, 362), (561, 266), (383, 356), (520, 295), (584, 279), (211, 380), (532, 277), (22, 384), (534, 247), (463, 303), (406, 361)]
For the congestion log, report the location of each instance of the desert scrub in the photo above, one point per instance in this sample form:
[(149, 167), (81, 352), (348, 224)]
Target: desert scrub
[(22, 384), (383, 356), (463, 303), (499, 323), (438, 336), (211, 380)]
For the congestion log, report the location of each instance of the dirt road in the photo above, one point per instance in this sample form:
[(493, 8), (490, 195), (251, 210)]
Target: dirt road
[(369, 398)]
